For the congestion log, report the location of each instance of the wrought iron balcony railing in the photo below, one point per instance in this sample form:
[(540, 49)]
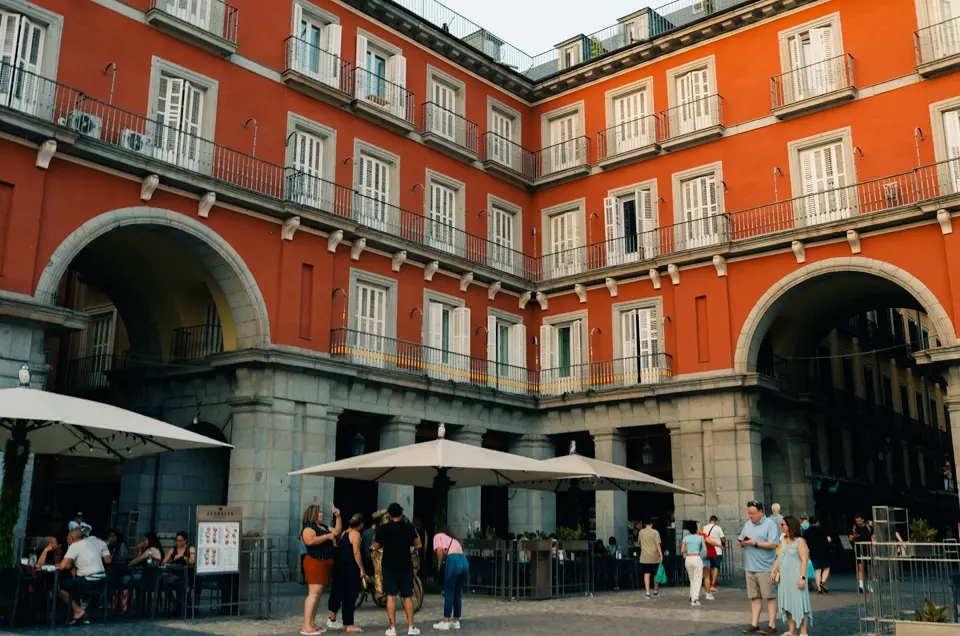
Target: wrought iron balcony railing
[(573, 153), (606, 374), (413, 358), (383, 94), (196, 342), (321, 66), (213, 16), (313, 192), (508, 154), (937, 42), (628, 136), (691, 117), (88, 373), (450, 126), (812, 81)]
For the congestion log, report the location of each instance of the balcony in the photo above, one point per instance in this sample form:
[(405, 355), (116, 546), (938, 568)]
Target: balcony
[(813, 87), (628, 142), (694, 122), (86, 375), (938, 48), (316, 72), (562, 162), (450, 133), (196, 342), (508, 160), (383, 102), (209, 24), (411, 358), (606, 375)]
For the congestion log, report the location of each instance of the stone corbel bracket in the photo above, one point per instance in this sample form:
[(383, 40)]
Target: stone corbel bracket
[(290, 227), (397, 260), (206, 202), (674, 272), (148, 186), (357, 248), (465, 279), (800, 251), (581, 292), (524, 299), (655, 278), (946, 223), (611, 284), (335, 238), (542, 299), (45, 153), (430, 270), (853, 238), (494, 290), (721, 264)]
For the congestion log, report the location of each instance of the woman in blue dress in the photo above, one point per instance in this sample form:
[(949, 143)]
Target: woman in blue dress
[(793, 596)]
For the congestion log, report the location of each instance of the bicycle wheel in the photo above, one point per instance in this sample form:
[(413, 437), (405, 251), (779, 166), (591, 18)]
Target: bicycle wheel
[(417, 594), (360, 598)]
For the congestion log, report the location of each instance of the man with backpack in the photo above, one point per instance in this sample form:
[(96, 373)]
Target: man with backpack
[(715, 542)]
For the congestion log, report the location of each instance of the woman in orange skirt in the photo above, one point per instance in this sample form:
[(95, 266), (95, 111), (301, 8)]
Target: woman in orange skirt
[(318, 564)]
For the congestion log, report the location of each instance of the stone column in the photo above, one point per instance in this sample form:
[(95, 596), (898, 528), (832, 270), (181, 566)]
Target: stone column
[(315, 442), (399, 431), (533, 510), (848, 452), (463, 504), (823, 446), (689, 448), (609, 446)]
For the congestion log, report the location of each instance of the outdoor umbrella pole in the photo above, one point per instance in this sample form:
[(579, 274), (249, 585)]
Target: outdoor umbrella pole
[(441, 490), (15, 455)]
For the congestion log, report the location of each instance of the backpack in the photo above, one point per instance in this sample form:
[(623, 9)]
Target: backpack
[(711, 549)]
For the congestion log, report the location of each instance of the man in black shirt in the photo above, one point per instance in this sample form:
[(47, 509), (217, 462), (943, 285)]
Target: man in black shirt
[(396, 567), (818, 543), (861, 533)]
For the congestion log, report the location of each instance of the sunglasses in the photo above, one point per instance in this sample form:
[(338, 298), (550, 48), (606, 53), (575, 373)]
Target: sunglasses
[(755, 504)]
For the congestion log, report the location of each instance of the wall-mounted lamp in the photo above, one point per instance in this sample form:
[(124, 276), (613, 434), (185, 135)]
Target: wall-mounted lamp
[(359, 444), (414, 187), (590, 219), (857, 150), (286, 142), (917, 138), (476, 331), (482, 210), (776, 171), (661, 200), (343, 313), (725, 188), (593, 331), (113, 79), (421, 320), (346, 159), (646, 455), (256, 126), (196, 416)]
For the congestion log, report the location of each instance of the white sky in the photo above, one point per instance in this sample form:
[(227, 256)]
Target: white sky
[(534, 26)]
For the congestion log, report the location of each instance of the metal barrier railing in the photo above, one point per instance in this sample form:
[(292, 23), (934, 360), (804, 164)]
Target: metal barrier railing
[(319, 65), (531, 570), (88, 373), (213, 16), (901, 578), (938, 41), (812, 80), (196, 342), (511, 155)]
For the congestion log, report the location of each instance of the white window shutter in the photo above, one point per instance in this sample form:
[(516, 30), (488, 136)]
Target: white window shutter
[(518, 348), (435, 323), (297, 19), (397, 94), (332, 34), (576, 343), (492, 338), (548, 349), (799, 72), (461, 331), (169, 113), (821, 44), (613, 217), (360, 64), (628, 351), (951, 126), (190, 127), (9, 30)]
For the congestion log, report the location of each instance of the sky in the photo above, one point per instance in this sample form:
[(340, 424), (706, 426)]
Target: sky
[(534, 26)]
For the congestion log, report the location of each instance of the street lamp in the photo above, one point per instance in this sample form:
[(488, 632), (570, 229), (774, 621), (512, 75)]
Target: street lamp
[(24, 375), (646, 455), (359, 443)]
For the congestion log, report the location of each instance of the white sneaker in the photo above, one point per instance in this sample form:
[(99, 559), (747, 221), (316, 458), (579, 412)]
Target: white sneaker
[(710, 597), (442, 626), (695, 602), (413, 631), (455, 625), (391, 632), (334, 624)]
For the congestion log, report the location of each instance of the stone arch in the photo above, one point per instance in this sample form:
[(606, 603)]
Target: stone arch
[(240, 290), (761, 316)]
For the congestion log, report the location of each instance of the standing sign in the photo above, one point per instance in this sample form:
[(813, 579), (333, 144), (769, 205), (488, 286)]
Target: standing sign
[(218, 539)]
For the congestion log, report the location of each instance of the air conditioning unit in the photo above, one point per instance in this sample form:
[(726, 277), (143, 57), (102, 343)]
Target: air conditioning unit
[(891, 192), (135, 141), (85, 124)]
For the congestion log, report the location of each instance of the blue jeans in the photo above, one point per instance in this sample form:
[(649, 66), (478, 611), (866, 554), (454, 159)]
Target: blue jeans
[(455, 577)]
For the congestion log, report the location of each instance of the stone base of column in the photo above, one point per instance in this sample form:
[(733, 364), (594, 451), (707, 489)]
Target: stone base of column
[(400, 431), (531, 510)]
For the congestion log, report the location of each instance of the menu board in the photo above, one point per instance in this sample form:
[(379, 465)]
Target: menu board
[(218, 540)]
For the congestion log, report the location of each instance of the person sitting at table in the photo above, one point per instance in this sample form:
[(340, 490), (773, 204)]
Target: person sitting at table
[(151, 552), (181, 554), (83, 558), (51, 553), (116, 544), (79, 524)]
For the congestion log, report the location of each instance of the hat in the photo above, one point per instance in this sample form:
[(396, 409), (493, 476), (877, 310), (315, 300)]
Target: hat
[(395, 510)]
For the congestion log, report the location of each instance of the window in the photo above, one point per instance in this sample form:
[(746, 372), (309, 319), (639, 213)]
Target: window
[(317, 49), (933, 411), (311, 148), (570, 53), (447, 336), (561, 354), (698, 205), (444, 203), (692, 90), (374, 178), (183, 115), (812, 59), (98, 345), (381, 75), (444, 116), (924, 338), (372, 318), (637, 343), (506, 351), (29, 43), (562, 240), (951, 127), (945, 123), (503, 138), (561, 132), (503, 229), (825, 169), (920, 407), (631, 224), (631, 127), (939, 36), (886, 390), (904, 400), (913, 331)]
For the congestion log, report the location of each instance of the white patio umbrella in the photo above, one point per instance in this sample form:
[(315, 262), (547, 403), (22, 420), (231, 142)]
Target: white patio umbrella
[(422, 464), (597, 474)]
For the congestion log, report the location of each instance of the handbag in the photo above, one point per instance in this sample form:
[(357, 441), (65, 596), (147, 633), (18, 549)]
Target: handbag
[(703, 548), (661, 578)]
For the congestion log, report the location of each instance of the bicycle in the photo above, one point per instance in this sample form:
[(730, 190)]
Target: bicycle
[(380, 600)]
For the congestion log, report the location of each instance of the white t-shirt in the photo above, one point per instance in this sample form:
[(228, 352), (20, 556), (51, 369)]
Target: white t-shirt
[(714, 531), (86, 557)]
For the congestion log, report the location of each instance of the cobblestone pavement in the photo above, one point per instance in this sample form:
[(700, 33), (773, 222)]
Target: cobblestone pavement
[(609, 614)]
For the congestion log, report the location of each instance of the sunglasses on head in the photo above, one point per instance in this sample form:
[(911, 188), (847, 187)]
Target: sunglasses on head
[(755, 504)]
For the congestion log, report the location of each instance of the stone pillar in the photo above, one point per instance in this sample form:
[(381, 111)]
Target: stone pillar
[(609, 446), (689, 448), (823, 446), (315, 443), (533, 510), (399, 431), (463, 504)]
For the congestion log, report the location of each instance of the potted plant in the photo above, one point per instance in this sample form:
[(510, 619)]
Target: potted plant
[(929, 620), (573, 539), (922, 532)]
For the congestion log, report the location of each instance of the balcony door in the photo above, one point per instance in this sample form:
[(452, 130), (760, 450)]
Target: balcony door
[(631, 226), (564, 258), (701, 214), (693, 103), (307, 181), (563, 136), (826, 196), (443, 213), (98, 349), (501, 237), (442, 117), (371, 346), (500, 141), (176, 139), (199, 13), (640, 362), (811, 55), (374, 187), (633, 130), (21, 54), (318, 49)]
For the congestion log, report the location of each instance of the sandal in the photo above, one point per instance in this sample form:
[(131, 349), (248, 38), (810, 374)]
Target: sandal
[(80, 620)]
